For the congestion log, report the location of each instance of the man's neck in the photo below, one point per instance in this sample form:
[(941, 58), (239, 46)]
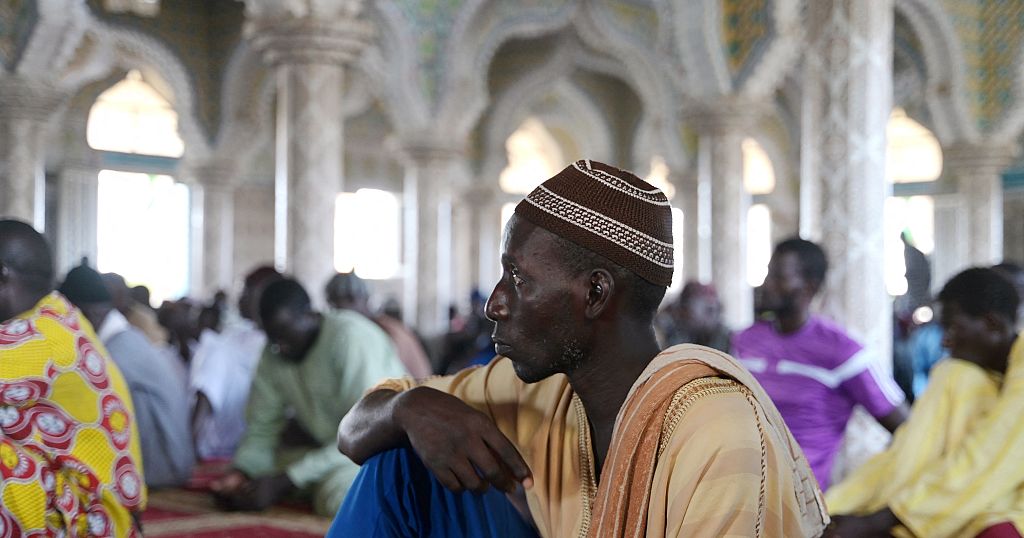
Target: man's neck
[(999, 359), (789, 322), (603, 382), (19, 303)]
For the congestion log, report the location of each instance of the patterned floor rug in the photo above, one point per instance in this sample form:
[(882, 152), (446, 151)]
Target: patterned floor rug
[(191, 512)]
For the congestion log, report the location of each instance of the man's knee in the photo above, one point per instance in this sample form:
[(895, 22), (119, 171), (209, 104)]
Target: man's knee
[(330, 491)]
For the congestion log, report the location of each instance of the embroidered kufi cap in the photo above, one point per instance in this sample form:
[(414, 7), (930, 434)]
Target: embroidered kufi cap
[(610, 212)]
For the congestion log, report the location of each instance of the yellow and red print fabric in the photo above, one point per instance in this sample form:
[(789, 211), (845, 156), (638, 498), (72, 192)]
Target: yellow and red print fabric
[(69, 452)]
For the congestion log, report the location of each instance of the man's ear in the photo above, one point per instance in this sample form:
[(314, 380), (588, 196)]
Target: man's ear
[(812, 287), (602, 287), (5, 273), (996, 323)]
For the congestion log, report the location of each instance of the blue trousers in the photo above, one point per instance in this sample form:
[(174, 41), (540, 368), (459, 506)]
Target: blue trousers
[(395, 495)]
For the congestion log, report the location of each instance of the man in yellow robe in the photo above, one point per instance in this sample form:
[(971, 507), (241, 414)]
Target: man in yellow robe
[(607, 434), (69, 452), (956, 433)]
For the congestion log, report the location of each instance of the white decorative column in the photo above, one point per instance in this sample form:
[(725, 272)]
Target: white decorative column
[(696, 247), (308, 56), (848, 77), (489, 234), (77, 210), (949, 255), (977, 169), (847, 88), (471, 221), (218, 204), (720, 171), (432, 170), (24, 109)]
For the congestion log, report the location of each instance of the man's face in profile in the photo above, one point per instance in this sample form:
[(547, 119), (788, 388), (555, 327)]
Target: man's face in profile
[(537, 321)]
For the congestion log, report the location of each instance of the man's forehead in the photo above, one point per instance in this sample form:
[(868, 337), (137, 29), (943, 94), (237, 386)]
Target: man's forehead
[(522, 236)]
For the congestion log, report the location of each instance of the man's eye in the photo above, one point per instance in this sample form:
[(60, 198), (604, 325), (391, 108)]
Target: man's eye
[(516, 279)]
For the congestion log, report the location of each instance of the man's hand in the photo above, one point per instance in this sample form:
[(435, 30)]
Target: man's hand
[(237, 492), (873, 525), (229, 483), (460, 445)]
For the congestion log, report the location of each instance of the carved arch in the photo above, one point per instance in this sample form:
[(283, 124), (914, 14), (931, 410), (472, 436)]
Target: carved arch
[(699, 46), (134, 49), (514, 105), (944, 87)]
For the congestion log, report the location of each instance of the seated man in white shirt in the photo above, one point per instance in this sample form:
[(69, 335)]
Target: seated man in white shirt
[(221, 373)]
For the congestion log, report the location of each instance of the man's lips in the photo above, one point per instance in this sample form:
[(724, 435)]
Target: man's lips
[(500, 347)]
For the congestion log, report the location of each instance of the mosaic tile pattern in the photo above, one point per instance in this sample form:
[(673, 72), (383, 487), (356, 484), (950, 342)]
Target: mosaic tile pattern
[(991, 34), (746, 31)]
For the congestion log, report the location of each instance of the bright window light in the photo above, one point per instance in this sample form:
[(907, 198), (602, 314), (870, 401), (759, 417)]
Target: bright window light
[(912, 152), (533, 157), (915, 216), (678, 227), (507, 210), (367, 235), (132, 117), (758, 172), (658, 177), (143, 231), (759, 243)]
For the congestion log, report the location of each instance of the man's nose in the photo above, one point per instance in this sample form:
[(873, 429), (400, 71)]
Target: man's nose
[(496, 309)]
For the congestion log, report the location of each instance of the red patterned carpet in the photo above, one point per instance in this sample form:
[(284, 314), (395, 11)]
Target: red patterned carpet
[(191, 512)]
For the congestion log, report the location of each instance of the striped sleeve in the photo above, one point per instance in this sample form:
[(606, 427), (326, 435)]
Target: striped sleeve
[(869, 384)]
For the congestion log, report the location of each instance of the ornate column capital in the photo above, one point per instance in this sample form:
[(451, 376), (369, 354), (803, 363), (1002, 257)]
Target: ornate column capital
[(82, 159), (724, 116), (478, 195), (980, 158), (217, 176), (427, 147), (28, 99), (310, 40)]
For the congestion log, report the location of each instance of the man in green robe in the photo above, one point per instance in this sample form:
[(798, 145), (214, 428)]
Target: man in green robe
[(314, 368)]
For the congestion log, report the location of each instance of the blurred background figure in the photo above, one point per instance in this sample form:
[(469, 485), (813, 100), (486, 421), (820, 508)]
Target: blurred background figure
[(180, 319), (221, 372), (468, 341), (140, 315), (156, 380), (695, 318), (141, 295), (349, 292), (1014, 272), (812, 369), (314, 368)]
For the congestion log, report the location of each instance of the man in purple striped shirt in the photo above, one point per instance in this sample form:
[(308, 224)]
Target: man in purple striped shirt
[(814, 372)]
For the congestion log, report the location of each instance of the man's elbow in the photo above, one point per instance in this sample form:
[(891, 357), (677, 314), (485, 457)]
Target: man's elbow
[(346, 445)]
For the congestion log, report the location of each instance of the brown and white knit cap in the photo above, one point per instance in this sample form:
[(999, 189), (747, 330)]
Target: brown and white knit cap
[(610, 212)]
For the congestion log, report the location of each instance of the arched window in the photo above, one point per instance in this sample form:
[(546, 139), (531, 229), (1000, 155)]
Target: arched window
[(143, 215), (533, 156), (367, 234), (759, 180), (132, 117), (658, 177)]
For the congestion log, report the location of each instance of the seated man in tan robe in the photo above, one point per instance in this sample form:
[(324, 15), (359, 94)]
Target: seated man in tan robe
[(608, 434)]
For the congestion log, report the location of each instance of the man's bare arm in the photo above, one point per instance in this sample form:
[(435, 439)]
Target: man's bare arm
[(368, 428), (895, 418), (460, 445)]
